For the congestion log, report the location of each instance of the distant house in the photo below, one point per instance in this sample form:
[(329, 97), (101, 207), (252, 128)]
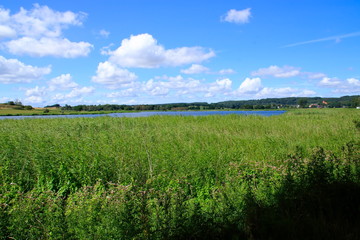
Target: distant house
[(314, 106), (323, 104), (357, 107)]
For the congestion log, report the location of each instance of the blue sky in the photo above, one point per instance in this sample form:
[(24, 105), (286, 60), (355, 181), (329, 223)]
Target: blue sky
[(147, 52)]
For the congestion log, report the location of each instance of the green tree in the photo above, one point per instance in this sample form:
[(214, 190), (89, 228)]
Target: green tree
[(303, 102)]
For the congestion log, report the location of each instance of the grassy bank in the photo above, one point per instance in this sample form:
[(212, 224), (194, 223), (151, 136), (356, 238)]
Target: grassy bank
[(49, 111), (294, 176)]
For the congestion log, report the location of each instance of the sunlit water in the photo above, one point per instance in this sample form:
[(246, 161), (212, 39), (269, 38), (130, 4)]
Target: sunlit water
[(147, 114)]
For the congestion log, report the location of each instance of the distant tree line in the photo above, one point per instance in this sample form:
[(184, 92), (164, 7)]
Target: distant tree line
[(268, 103), (17, 104)]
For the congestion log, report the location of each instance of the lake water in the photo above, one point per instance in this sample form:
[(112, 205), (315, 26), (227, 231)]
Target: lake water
[(147, 114)]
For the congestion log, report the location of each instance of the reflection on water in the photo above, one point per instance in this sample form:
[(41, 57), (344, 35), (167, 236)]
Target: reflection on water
[(146, 114)]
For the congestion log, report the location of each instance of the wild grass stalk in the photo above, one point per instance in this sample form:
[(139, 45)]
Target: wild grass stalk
[(175, 177)]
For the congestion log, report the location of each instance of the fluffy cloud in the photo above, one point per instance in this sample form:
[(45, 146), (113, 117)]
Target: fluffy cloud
[(64, 81), (195, 69), (315, 75), (306, 93), (38, 32), (78, 92), (35, 92), (61, 89), (329, 82), (42, 21), (224, 84), (104, 33), (238, 16), (279, 72), (4, 99), (75, 93), (250, 86), (14, 71), (286, 72), (130, 92), (276, 92), (219, 86), (187, 86), (179, 83), (6, 32), (113, 77), (353, 82), (143, 51), (56, 47), (180, 87), (34, 99), (226, 71), (267, 92), (351, 85), (156, 88)]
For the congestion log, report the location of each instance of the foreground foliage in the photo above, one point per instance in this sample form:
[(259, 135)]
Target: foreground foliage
[(294, 176)]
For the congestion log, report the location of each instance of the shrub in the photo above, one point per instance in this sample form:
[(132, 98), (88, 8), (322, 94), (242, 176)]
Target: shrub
[(37, 216)]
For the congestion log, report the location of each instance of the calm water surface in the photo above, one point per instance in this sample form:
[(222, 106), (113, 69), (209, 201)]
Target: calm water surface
[(146, 114)]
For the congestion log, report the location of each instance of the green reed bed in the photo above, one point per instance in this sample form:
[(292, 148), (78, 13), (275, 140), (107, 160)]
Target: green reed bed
[(291, 176)]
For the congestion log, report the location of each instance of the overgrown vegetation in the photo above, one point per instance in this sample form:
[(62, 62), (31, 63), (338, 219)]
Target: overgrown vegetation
[(9, 110), (269, 103), (12, 108), (293, 176)]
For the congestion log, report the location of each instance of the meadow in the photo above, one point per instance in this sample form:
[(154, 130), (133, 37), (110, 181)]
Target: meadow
[(48, 111), (292, 176)]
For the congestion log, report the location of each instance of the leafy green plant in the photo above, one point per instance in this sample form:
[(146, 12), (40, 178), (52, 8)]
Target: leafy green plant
[(174, 177)]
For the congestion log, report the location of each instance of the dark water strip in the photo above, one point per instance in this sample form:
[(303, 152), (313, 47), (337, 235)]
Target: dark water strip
[(147, 114)]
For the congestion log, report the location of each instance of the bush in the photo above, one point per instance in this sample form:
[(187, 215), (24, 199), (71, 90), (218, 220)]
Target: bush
[(38, 216)]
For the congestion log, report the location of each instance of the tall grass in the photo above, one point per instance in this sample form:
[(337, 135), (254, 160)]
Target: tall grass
[(174, 177)]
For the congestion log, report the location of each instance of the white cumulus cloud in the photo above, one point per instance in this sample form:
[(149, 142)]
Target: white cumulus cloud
[(64, 81), (250, 86), (61, 89), (39, 32), (143, 51), (198, 68), (253, 88), (36, 91), (306, 93), (112, 76), (14, 71), (104, 33), (34, 99), (218, 87), (6, 32), (329, 82), (353, 82), (179, 83), (156, 88), (276, 71), (315, 75), (226, 71), (276, 92), (195, 69), (57, 47), (130, 92), (238, 16), (43, 21), (78, 92)]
